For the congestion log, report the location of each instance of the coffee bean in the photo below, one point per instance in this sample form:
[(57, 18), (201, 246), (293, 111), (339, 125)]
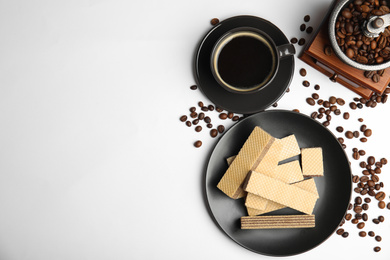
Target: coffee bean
[(214, 21), (375, 221), (352, 105), (349, 134), (235, 118), (198, 144), (358, 209), (388, 205), (219, 109), (200, 104), (302, 72), (348, 216), (376, 77), (381, 218), (356, 155), (306, 18), (360, 225), (302, 27), (355, 179), (209, 125), (192, 109), (381, 204), (223, 116), (367, 200), (339, 129), (367, 132), (301, 42), (207, 119), (317, 87), (328, 50), (306, 83), (194, 115), (345, 234), (365, 206), (210, 107), (340, 231), (221, 128), (188, 123), (358, 200), (198, 128), (309, 29), (378, 238), (362, 234), (346, 115), (195, 122), (365, 216), (294, 40), (201, 116), (213, 132), (310, 101), (371, 160), (193, 87), (183, 118), (380, 196), (377, 249), (363, 139), (371, 233)]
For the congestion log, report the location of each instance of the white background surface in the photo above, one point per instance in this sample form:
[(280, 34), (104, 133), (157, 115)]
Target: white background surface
[(94, 162)]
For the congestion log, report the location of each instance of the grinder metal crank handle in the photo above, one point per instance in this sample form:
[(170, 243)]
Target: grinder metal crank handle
[(376, 25)]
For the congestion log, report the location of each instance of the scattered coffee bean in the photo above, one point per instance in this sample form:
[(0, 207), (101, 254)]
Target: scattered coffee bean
[(223, 116), (310, 101), (309, 29), (306, 83), (198, 144), (388, 205), (380, 196), (345, 234), (360, 225), (195, 122), (194, 87), (367, 132), (198, 128), (213, 132), (210, 107), (346, 115), (353, 105), (294, 40), (371, 233), (301, 42), (381, 204), (340, 231), (378, 238), (214, 21), (306, 18), (375, 221), (377, 249), (221, 128), (302, 27), (207, 119), (302, 72), (183, 118), (349, 134), (381, 218), (362, 234), (317, 87), (209, 125), (188, 123)]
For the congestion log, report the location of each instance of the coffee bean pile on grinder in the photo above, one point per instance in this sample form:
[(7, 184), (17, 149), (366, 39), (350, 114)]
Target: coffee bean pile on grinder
[(353, 42)]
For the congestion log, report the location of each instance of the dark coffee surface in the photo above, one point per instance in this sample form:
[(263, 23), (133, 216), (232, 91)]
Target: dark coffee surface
[(245, 62)]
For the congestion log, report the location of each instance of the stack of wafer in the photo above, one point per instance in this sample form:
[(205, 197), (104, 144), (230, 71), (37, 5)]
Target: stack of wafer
[(259, 174)]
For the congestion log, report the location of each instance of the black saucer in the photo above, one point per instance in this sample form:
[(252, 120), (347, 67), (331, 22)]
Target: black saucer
[(242, 103), (334, 188)]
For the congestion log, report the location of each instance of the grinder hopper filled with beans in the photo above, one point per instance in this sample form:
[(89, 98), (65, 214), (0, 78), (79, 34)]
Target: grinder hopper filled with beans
[(359, 32)]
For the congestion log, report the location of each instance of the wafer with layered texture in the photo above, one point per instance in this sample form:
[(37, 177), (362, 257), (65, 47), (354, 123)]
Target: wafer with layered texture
[(248, 158), (280, 192), (279, 221), (290, 147), (288, 172), (312, 162)]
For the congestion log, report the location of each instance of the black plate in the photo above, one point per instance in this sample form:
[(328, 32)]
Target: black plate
[(334, 187), (242, 103)]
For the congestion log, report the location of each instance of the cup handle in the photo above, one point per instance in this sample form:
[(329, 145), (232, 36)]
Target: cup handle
[(285, 50)]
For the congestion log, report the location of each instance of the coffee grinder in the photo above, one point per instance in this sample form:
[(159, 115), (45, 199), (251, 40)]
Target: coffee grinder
[(335, 64)]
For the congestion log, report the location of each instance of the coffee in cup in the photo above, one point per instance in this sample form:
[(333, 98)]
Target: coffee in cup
[(245, 60)]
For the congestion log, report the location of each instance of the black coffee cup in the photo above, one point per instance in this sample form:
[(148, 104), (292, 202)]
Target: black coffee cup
[(246, 60)]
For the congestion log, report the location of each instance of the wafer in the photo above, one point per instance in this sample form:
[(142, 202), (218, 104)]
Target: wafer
[(312, 162), (248, 158), (279, 221), (308, 185), (290, 147), (280, 192)]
